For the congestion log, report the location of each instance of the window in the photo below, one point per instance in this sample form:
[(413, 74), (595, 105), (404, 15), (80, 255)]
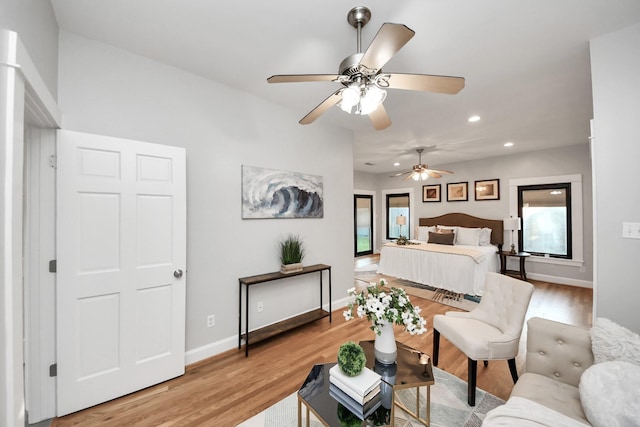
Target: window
[(397, 204), (363, 219), (545, 210)]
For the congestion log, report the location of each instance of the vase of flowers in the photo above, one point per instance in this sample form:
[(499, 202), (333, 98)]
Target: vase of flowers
[(383, 307)]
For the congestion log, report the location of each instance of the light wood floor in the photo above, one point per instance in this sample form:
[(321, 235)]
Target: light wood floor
[(229, 388)]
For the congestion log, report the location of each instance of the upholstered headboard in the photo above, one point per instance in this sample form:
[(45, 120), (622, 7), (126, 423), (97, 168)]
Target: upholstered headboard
[(464, 220)]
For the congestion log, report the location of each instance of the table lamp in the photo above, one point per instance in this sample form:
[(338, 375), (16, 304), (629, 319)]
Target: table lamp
[(401, 220), (512, 224)]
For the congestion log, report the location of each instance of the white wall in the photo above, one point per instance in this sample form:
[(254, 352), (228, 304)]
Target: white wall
[(35, 23), (615, 67), (12, 93), (108, 91), (573, 159)]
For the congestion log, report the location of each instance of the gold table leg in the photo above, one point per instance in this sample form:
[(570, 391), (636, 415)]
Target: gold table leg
[(300, 412), (416, 415)]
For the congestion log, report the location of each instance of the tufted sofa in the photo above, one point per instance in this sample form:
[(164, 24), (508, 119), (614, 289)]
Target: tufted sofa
[(564, 384)]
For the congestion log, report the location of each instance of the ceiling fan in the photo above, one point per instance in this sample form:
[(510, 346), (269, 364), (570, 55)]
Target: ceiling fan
[(362, 79), (421, 172)]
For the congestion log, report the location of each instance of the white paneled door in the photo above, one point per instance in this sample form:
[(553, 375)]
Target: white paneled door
[(121, 250)]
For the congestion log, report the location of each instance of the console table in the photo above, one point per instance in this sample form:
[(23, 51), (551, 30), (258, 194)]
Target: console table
[(284, 325)]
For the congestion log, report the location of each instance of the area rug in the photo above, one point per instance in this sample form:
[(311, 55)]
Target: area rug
[(448, 407), (368, 274)]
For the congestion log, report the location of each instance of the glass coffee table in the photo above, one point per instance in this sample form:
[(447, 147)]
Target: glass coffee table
[(412, 369)]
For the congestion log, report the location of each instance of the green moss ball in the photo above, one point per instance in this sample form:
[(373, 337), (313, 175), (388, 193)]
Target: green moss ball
[(351, 358), (347, 418)]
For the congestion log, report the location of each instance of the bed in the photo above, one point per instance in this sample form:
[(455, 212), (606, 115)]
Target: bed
[(458, 268)]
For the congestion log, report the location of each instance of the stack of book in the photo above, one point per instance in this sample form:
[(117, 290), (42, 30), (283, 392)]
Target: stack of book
[(360, 394)]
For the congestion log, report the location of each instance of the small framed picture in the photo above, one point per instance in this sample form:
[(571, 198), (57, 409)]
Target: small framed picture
[(488, 189), (431, 193), (457, 192)]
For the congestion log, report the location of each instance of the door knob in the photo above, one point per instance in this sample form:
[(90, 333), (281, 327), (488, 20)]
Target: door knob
[(177, 274)]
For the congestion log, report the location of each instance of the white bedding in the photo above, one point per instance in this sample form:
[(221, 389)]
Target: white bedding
[(453, 272)]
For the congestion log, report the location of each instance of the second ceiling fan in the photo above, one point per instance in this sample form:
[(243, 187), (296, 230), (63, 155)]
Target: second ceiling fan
[(421, 171), (363, 82)]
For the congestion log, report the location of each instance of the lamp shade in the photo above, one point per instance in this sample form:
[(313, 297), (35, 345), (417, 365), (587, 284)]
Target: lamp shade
[(511, 223), (401, 220), (371, 99)]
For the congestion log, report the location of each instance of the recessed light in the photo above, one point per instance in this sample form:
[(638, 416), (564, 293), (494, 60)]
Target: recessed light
[(474, 119), (508, 144), (396, 164)]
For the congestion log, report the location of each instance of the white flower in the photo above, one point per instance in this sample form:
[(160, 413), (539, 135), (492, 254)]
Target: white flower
[(380, 306)]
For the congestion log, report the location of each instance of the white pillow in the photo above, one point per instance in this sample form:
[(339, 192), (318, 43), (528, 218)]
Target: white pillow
[(423, 233), (485, 237), (609, 394), (610, 341), (468, 236)]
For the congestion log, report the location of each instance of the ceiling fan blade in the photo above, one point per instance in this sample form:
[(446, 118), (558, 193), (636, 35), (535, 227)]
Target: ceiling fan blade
[(380, 118), (426, 82), (332, 100), (433, 174), (295, 78), (441, 172), (389, 39), (410, 176), (399, 174)]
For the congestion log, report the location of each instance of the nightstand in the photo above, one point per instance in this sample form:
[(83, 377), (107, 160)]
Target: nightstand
[(522, 274)]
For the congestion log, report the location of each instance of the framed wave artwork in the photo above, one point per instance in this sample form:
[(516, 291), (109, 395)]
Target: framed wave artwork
[(268, 193)]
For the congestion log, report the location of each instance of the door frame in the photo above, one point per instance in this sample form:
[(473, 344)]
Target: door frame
[(39, 282), (22, 87)]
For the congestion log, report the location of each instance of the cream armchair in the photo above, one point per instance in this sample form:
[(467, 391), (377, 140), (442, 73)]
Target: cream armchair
[(491, 331)]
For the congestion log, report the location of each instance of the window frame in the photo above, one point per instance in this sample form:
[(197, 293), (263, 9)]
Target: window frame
[(370, 197), (577, 214), (383, 208), (386, 210), (569, 230)]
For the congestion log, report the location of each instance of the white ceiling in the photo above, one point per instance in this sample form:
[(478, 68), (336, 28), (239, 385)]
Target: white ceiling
[(526, 63)]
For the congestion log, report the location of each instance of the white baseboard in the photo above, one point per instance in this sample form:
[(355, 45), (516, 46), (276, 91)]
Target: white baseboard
[(225, 344), (339, 303), (561, 280), (210, 350)]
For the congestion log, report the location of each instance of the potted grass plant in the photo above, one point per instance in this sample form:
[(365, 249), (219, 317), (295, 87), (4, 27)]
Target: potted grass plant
[(291, 254)]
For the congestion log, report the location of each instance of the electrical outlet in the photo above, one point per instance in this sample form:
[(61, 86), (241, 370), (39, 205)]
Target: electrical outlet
[(260, 307), (211, 320), (631, 230)]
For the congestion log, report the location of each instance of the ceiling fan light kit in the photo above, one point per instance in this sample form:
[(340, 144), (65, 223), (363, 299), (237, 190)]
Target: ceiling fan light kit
[(361, 74)]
